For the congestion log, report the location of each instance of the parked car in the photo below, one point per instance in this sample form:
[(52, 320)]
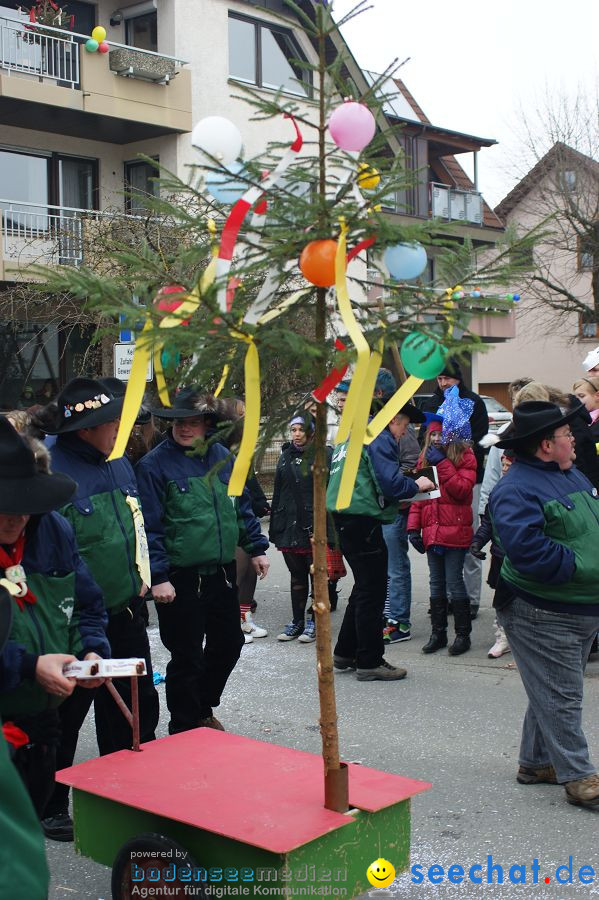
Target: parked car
[(421, 400), (498, 414)]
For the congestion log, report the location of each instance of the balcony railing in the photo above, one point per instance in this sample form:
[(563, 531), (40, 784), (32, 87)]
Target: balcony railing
[(53, 54), (25, 51), (33, 233), (454, 205)]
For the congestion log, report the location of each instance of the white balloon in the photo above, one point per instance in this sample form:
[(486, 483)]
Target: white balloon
[(219, 137)]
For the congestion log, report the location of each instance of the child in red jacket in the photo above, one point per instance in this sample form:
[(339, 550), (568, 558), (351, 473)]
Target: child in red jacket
[(442, 528)]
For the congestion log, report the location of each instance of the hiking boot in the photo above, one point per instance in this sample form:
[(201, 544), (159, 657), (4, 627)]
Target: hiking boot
[(248, 626), (394, 634), (460, 645), (343, 664), (291, 632), (584, 792), (384, 672), (463, 626), (309, 632), (58, 827), (211, 722), (436, 641), (542, 775)]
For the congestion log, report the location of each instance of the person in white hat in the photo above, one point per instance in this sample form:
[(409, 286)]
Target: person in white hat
[(591, 362)]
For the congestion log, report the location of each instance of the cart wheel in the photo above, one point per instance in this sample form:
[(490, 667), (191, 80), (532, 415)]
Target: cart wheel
[(167, 858)]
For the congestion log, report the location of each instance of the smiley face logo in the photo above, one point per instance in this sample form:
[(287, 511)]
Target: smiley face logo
[(380, 873)]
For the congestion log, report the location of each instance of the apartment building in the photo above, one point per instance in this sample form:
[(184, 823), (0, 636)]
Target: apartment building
[(72, 124), (557, 321)]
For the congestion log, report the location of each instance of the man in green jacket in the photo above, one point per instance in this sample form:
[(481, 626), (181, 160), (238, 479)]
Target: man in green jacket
[(380, 484), (108, 524), (545, 514)]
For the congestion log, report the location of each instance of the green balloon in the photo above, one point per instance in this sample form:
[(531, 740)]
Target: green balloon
[(422, 356), (91, 45), (170, 360)]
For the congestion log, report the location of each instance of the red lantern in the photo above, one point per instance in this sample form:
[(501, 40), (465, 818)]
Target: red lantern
[(317, 262), (170, 306)]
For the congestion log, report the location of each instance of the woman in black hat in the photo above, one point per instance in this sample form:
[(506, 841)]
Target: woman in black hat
[(58, 614)]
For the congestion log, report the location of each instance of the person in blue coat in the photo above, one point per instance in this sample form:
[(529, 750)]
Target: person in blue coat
[(193, 529), (58, 612)]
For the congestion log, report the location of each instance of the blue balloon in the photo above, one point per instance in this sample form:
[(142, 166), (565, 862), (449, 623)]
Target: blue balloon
[(224, 187), (405, 261)]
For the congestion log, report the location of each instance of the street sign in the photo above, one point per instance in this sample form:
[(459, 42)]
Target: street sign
[(123, 360)]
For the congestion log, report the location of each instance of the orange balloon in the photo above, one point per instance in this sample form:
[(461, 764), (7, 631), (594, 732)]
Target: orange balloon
[(317, 262)]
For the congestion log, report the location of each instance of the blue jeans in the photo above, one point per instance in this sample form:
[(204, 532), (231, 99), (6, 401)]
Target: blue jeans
[(551, 650), (445, 573), (398, 570)]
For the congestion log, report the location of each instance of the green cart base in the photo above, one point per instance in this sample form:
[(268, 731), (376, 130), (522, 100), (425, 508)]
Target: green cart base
[(264, 835)]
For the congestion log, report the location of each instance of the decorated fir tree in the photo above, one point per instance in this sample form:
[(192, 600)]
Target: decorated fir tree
[(225, 302)]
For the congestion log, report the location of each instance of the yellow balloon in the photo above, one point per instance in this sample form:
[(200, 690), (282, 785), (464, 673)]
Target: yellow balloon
[(99, 34), (368, 177)]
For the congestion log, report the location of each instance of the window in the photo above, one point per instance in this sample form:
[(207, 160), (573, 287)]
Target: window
[(588, 327), (32, 183), (24, 189), (266, 56), (142, 32), (140, 182), (586, 254)]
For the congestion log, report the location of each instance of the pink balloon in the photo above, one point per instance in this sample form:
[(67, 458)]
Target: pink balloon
[(352, 126), (104, 47)]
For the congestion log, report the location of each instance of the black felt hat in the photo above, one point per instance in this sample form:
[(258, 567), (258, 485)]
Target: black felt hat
[(413, 413), (85, 403), (5, 617), (189, 403), (24, 490), (533, 419)]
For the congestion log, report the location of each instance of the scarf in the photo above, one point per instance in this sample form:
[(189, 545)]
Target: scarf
[(15, 579)]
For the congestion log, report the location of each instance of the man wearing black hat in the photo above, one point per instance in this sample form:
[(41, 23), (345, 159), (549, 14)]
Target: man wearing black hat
[(193, 529), (546, 515), (479, 425), (57, 615), (108, 524)]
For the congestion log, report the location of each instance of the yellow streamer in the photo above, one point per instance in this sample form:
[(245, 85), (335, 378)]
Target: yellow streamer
[(223, 379), (251, 424), (356, 438), (285, 304), (135, 391), (159, 373), (402, 396), (356, 396)]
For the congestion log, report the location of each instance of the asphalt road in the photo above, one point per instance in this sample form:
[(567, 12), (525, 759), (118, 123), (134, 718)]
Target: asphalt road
[(453, 721)]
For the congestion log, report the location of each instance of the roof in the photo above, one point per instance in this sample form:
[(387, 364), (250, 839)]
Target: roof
[(560, 153), (454, 171)]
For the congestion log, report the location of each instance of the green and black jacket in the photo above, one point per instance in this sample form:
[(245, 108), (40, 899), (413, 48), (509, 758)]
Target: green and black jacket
[(190, 519), (547, 523), (67, 617), (101, 518)]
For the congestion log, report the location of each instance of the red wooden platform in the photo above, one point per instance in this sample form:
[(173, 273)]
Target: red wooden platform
[(261, 794)]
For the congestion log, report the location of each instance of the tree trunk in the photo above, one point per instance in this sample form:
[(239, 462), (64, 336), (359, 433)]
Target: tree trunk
[(335, 773)]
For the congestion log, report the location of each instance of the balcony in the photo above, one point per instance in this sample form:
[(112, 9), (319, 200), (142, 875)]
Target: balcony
[(46, 235), (491, 323), (47, 77), (453, 205)]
